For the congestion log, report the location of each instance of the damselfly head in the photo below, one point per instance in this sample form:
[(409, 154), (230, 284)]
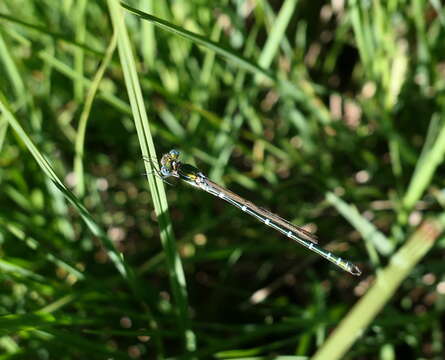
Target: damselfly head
[(174, 154), (169, 162)]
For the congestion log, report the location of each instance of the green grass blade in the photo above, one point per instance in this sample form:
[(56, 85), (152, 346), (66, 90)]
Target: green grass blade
[(425, 169), (45, 326), (148, 38), (11, 70), (34, 244), (56, 36), (10, 267), (201, 40), (70, 73), (277, 34), (83, 120), (79, 54), (387, 282), (177, 278), (369, 232), (3, 130), (121, 105)]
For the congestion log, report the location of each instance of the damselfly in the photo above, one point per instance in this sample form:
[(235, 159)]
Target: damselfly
[(172, 167)]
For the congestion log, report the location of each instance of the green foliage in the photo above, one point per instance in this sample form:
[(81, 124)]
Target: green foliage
[(328, 114)]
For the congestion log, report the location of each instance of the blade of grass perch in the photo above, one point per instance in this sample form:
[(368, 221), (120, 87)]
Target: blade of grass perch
[(374, 238), (177, 278), (387, 282)]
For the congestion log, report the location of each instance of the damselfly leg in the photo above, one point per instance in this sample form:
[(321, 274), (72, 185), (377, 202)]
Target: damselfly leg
[(156, 171)]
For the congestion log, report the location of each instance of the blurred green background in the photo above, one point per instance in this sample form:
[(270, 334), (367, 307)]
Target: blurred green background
[(329, 114)]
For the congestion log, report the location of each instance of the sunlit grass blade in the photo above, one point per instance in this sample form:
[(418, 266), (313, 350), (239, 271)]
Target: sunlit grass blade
[(79, 54), (201, 40), (148, 38), (177, 278), (121, 105), (83, 120), (431, 158), (10, 267), (64, 69), (386, 283), (276, 35), (10, 70), (46, 327), (45, 31), (373, 237), (3, 130), (34, 244), (11, 324), (73, 342)]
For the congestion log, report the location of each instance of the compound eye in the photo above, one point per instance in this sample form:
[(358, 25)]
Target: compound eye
[(174, 153), (164, 171)]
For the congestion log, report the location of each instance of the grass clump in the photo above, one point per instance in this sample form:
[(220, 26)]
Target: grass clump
[(329, 114)]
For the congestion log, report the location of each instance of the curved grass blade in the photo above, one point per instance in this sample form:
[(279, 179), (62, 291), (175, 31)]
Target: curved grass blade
[(114, 255), (201, 40), (304, 93), (83, 120)]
